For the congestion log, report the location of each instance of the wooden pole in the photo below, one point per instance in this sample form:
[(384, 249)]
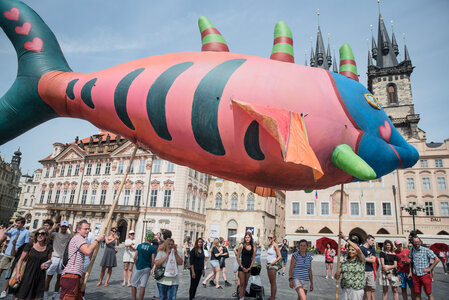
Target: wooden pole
[(108, 220), (339, 240)]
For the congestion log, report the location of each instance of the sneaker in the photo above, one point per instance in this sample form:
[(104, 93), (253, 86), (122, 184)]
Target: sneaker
[(332, 277), (327, 277), (211, 283), (3, 294), (227, 283), (283, 274)]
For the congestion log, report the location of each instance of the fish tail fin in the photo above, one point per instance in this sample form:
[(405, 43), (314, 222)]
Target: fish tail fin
[(38, 52)]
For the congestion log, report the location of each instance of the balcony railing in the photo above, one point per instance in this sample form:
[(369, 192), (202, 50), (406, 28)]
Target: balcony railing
[(87, 207)]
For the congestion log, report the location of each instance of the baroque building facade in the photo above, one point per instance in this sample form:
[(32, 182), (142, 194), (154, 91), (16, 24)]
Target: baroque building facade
[(375, 207), (232, 210), (9, 187), (79, 181)]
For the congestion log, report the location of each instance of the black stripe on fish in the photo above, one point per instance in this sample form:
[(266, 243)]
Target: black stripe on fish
[(121, 94), (86, 93), (157, 97), (205, 106), (251, 142), (69, 90)]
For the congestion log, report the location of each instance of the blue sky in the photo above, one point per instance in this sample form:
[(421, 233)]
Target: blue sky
[(96, 35)]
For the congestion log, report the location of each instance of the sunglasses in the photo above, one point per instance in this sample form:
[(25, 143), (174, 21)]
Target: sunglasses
[(270, 237), (41, 233)]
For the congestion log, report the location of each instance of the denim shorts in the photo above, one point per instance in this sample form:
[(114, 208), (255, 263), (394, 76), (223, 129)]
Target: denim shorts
[(214, 263)]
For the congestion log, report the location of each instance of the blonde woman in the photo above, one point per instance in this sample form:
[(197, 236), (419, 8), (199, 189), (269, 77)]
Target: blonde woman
[(273, 256), (167, 286), (215, 254)]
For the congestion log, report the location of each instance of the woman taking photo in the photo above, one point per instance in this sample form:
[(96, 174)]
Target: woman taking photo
[(389, 277), (245, 258), (187, 248), (329, 254), (196, 266), (38, 259), (215, 254), (300, 273), (109, 259), (284, 253), (352, 272), (167, 286), (273, 256)]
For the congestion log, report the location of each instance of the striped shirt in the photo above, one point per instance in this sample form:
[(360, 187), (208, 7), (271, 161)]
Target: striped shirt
[(302, 266), (75, 264)]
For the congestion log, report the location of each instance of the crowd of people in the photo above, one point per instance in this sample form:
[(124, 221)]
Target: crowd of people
[(31, 260)]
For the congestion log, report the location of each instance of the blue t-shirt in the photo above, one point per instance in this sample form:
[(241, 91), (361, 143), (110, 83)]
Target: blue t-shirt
[(144, 252), (302, 266), (24, 237), (368, 252)]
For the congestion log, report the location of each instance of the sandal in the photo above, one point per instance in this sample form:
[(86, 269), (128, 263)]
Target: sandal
[(204, 285), (219, 287)]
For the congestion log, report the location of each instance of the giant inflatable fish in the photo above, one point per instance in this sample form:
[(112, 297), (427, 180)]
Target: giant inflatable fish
[(266, 123)]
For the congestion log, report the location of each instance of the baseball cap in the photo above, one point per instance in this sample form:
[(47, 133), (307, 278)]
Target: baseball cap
[(65, 223), (131, 232), (397, 242)]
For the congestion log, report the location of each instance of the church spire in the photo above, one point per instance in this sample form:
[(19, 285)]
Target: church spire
[(328, 53), (334, 68), (406, 55), (321, 59), (386, 56), (393, 41), (370, 61)]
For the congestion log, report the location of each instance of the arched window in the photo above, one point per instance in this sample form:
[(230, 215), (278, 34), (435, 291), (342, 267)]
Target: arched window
[(250, 202), (325, 230), (232, 224), (234, 201), (218, 201), (392, 93), (382, 231)]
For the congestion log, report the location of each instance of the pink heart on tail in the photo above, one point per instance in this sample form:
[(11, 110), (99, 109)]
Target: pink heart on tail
[(24, 29), (12, 14), (35, 45), (385, 131)]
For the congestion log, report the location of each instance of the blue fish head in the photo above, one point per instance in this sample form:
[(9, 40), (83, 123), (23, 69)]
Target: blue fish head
[(381, 145)]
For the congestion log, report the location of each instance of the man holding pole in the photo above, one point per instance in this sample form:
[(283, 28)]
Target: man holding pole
[(78, 249), (370, 258)]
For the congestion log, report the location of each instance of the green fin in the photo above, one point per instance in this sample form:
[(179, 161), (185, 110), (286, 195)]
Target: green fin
[(308, 191), (345, 159)]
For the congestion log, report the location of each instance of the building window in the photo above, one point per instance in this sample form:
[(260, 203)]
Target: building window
[(438, 163), (170, 167), (107, 168), (167, 198), (89, 169), (295, 208), (370, 209), (193, 202), (424, 163), (131, 169), (428, 206), (355, 209), (441, 181), (324, 208), (49, 196), (120, 167), (72, 196), (157, 166), (392, 94), (69, 170), (126, 197), (115, 194), (426, 183), (58, 192), (84, 197), (103, 197), (142, 166), (386, 209), (310, 208), (64, 196), (234, 202), (25, 202), (98, 169), (41, 200), (250, 202), (93, 195), (47, 173), (77, 170), (188, 201), (199, 204), (410, 184), (153, 198), (137, 197), (35, 224), (54, 172), (61, 172), (218, 201), (444, 206)]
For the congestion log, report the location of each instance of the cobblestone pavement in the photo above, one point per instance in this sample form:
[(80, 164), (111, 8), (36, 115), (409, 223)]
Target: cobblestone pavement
[(324, 288)]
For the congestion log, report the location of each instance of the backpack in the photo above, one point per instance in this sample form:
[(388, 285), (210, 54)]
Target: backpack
[(65, 256)]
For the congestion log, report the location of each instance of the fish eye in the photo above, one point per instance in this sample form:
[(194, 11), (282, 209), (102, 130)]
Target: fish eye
[(372, 101)]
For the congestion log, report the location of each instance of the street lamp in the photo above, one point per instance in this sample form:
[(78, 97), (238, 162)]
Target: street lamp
[(412, 209)]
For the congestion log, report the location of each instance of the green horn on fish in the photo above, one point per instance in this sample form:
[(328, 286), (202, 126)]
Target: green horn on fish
[(346, 160)]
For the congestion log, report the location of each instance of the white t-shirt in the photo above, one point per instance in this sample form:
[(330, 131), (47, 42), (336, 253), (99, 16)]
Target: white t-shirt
[(128, 255)]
